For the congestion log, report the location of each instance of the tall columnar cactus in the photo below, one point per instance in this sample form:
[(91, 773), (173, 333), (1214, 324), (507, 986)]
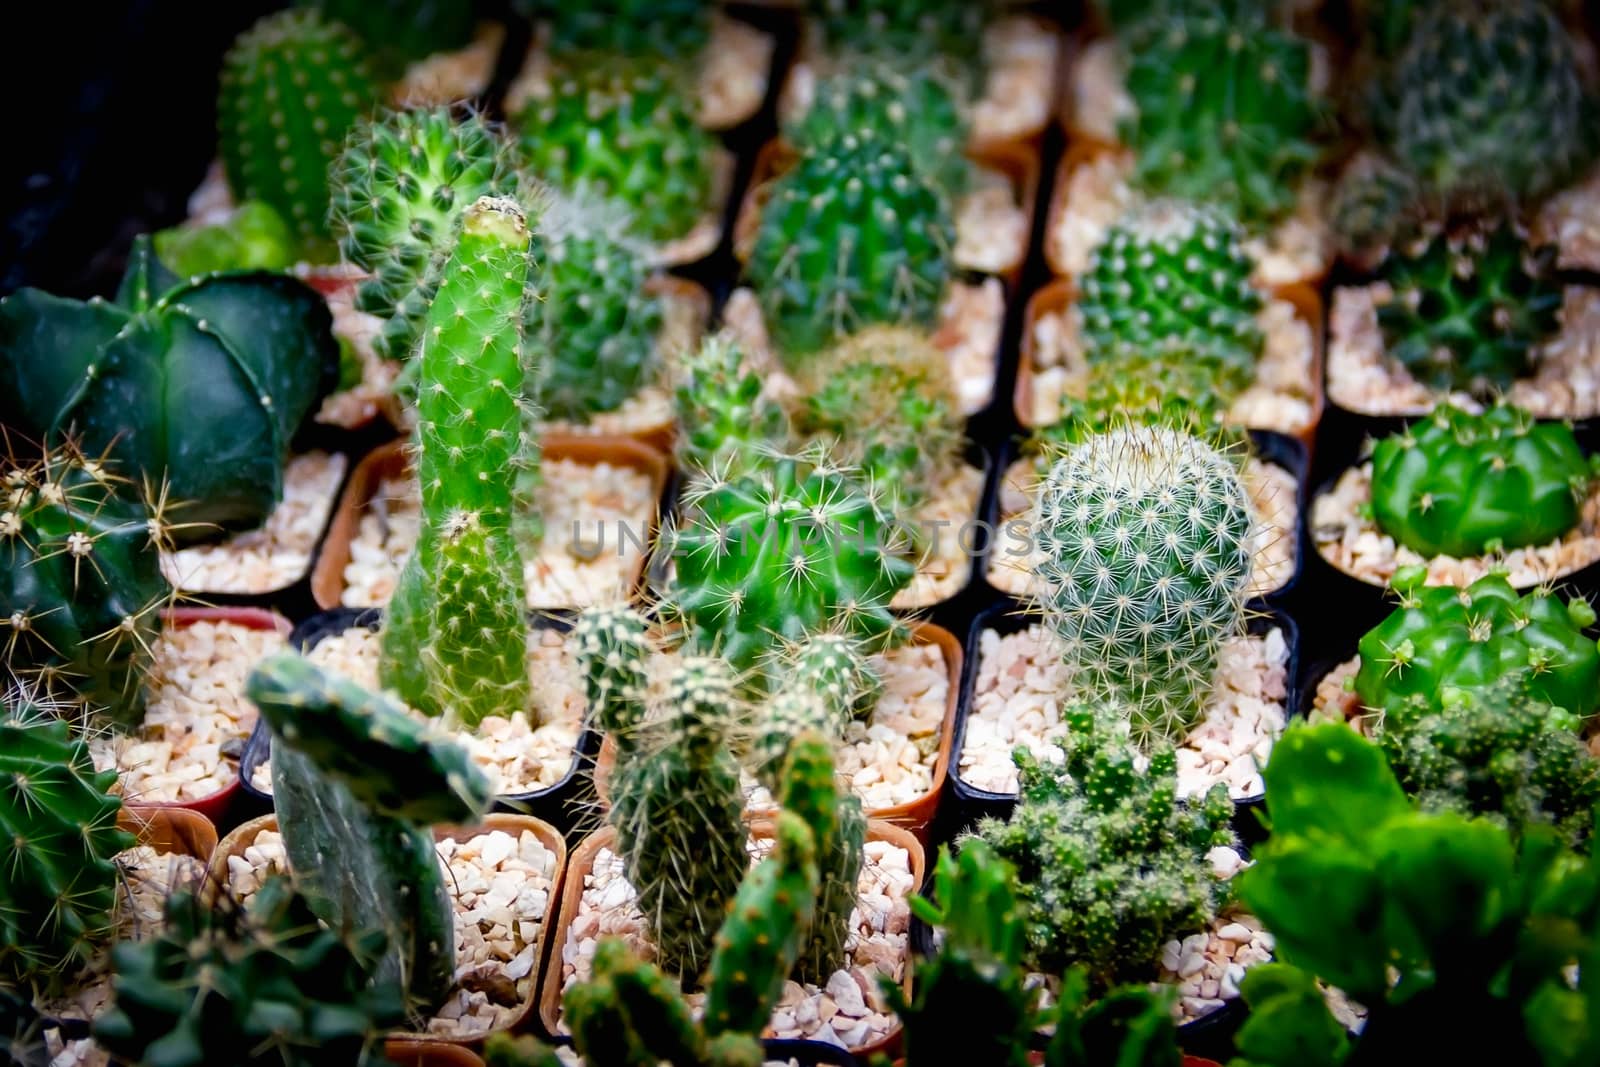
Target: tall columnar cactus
[(1468, 308), (1493, 103), (725, 422), (399, 187), (264, 986), (1144, 543), (854, 235), (454, 640), (197, 384), (623, 131), (402, 31), (596, 325), (613, 653), (358, 783), (808, 788), (291, 86), (1109, 864), (1460, 484), (1172, 274), (676, 30), (81, 589), (1443, 640), (676, 804), (58, 818), (776, 554)]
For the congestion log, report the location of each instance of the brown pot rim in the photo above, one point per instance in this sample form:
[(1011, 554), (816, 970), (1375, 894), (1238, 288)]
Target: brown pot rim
[(170, 830)]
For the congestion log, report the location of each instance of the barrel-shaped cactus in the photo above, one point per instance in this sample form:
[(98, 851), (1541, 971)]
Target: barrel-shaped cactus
[(1165, 385), (292, 85), (726, 423)]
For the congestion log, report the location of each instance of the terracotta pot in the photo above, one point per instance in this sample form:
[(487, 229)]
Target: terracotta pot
[(1058, 295), (235, 843), (172, 831), (429, 1054), (389, 461), (583, 862), (915, 816)]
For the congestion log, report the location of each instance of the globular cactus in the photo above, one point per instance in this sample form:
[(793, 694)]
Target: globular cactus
[(914, 35), (81, 589), (58, 817), (197, 384), (726, 425), (358, 783), (855, 235), (399, 187), (1376, 206), (807, 788), (1493, 105), (1167, 385), (676, 804), (454, 639), (1467, 308), (1442, 641), (776, 554), (263, 986), (1110, 865), (253, 237), (1144, 542), (612, 648), (595, 326), (623, 131), (1459, 484), (403, 31), (1174, 275), (292, 85), (1224, 111), (675, 30)]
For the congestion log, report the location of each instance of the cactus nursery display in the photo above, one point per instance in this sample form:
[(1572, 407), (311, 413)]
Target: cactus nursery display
[(865, 532)]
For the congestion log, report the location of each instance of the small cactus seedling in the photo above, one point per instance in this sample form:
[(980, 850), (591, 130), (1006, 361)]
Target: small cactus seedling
[(292, 85), (1144, 543), (358, 783), (613, 651), (454, 639), (1460, 484), (725, 422)]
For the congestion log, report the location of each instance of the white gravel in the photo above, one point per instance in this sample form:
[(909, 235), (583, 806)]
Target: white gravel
[(945, 565), (446, 77), (1571, 218)]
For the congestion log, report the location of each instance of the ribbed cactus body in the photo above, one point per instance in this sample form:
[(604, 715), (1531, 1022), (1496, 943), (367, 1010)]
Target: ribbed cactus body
[(454, 641), (675, 30), (623, 131), (915, 35), (613, 652), (854, 235), (402, 31), (1169, 385), (808, 789), (292, 85), (58, 819), (1144, 543), (357, 784), (1458, 484), (399, 187), (725, 423)]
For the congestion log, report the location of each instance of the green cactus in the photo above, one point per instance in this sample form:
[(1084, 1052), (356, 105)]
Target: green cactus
[(854, 235), (1174, 275), (22, 1031), (1442, 641), (58, 817), (358, 783), (1376, 206), (623, 131), (1130, 1026), (612, 648), (454, 640), (1468, 308), (199, 385), (595, 327), (399, 187), (291, 86), (1460, 484), (836, 668), (725, 424), (808, 789), (914, 35), (253, 237), (1224, 112), (676, 30), (402, 31), (266, 986), (81, 589), (500, 1049), (1144, 542), (1493, 105), (1110, 866), (1165, 385), (774, 555)]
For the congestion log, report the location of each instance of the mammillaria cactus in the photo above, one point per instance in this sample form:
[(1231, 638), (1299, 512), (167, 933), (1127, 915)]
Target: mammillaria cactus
[(1109, 864), (855, 235), (725, 422), (402, 31), (1467, 308), (1224, 111), (263, 986), (81, 589), (291, 86), (454, 640), (1460, 484), (399, 187), (1443, 640), (197, 384), (613, 650), (1144, 543), (358, 783), (623, 131), (1162, 386)]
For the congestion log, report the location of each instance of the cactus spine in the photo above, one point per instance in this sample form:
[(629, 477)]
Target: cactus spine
[(725, 424), (455, 640), (613, 653), (839, 827)]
